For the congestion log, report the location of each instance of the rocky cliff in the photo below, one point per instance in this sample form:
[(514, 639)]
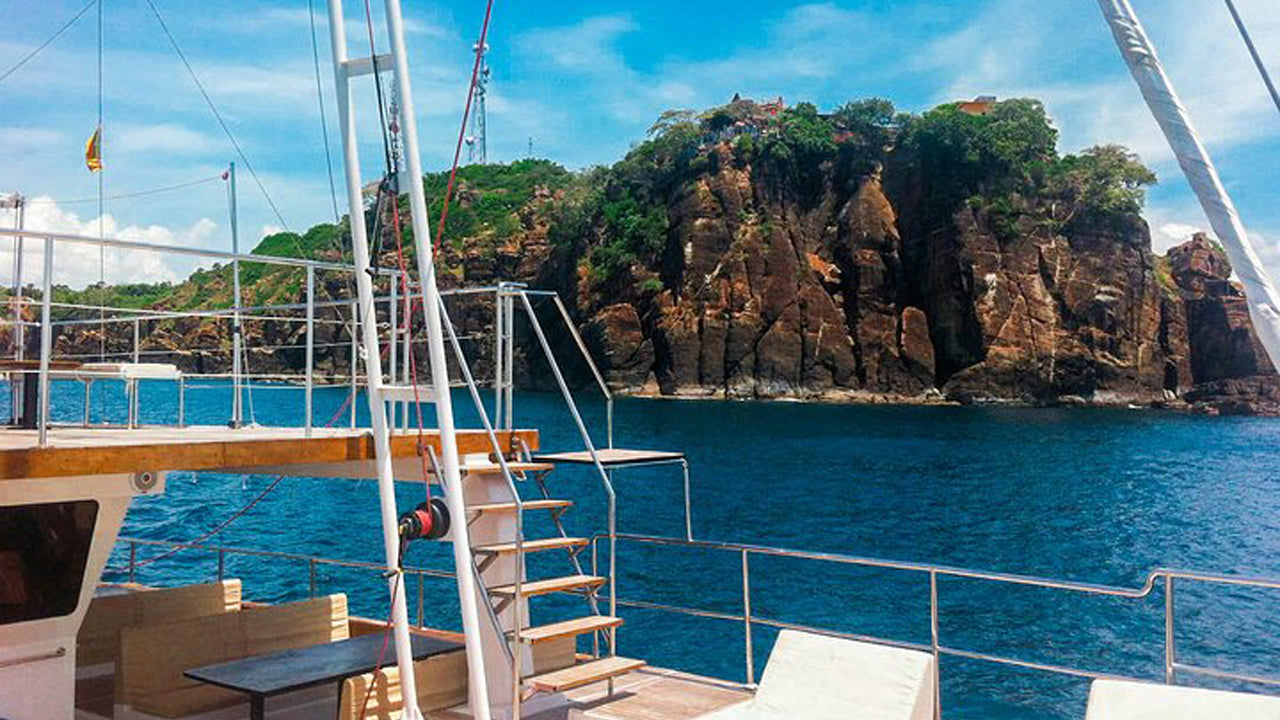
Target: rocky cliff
[(763, 252)]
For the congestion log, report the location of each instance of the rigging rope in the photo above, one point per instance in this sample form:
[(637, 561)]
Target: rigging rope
[(389, 182), (102, 214), (324, 125), (234, 516), (58, 33), (216, 114), (1253, 50), (133, 194), (462, 131)]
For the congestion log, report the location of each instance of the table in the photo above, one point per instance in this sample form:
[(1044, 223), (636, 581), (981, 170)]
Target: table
[(263, 676)]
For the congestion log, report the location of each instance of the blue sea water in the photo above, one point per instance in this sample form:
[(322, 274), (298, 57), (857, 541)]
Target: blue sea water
[(1089, 495)]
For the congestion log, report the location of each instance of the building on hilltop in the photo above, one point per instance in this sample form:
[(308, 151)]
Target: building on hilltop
[(980, 106)]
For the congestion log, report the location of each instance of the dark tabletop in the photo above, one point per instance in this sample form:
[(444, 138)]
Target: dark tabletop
[(288, 670)]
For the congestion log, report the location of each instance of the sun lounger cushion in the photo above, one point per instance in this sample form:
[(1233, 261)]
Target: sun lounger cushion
[(1126, 700), (816, 677), (134, 371)]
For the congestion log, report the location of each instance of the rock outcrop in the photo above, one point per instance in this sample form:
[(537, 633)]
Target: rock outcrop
[(1219, 331), (740, 269)]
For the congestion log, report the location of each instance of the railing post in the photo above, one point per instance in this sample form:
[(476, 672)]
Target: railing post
[(311, 345), (311, 573), (421, 600), (355, 361), (88, 391), (222, 564), (1170, 648), (46, 341), (133, 561), (746, 618), (935, 645), (182, 401), (499, 354), (508, 364), (595, 572), (688, 513)]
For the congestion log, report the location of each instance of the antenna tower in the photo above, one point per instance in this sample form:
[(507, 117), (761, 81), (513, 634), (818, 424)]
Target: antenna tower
[(477, 150)]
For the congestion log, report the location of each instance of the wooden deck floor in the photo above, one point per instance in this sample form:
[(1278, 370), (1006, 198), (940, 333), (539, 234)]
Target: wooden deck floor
[(98, 451), (648, 694)]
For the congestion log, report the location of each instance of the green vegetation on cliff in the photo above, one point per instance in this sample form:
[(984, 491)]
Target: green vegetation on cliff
[(616, 220)]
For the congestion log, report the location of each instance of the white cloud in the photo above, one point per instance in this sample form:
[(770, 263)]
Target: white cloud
[(33, 138), (78, 264), (1169, 234), (168, 138)]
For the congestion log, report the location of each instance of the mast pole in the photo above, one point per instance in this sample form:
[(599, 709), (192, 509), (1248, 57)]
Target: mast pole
[(1140, 55), (237, 341), (468, 598), (373, 368)]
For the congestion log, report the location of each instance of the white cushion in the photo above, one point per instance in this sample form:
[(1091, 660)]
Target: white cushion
[(135, 371), (1125, 700), (816, 677)]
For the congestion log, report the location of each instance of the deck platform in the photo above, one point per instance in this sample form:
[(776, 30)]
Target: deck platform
[(612, 457), (102, 451), (646, 694)]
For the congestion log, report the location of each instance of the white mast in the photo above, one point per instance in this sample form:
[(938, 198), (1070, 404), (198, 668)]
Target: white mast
[(467, 595), (1140, 55), (344, 70)]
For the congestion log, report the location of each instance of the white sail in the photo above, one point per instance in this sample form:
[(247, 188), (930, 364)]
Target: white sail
[(1140, 55)]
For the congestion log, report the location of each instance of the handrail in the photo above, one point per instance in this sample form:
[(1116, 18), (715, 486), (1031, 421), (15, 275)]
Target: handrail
[(934, 572), (515, 651), (612, 517), (591, 363), (188, 251)]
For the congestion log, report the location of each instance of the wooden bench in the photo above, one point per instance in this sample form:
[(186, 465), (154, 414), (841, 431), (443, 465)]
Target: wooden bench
[(98, 641), (441, 682), (149, 676)]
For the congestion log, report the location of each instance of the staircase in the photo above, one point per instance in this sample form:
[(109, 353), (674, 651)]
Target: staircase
[(565, 669)]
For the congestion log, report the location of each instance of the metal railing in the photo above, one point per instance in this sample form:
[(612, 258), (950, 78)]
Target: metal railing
[(313, 564), (505, 296), (1161, 577), (1164, 578)]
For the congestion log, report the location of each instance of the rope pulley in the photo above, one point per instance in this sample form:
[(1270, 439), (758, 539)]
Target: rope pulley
[(428, 521)]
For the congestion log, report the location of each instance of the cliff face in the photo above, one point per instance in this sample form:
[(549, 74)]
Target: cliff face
[(773, 293), (752, 252)]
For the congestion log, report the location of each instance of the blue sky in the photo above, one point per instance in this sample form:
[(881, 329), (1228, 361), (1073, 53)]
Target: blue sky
[(584, 80)]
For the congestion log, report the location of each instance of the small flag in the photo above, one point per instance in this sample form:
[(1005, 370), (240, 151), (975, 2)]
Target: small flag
[(93, 151)]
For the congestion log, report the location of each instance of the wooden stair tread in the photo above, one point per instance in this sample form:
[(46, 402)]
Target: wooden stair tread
[(583, 674), (569, 628), (555, 543), (528, 505), (515, 467), (550, 585)]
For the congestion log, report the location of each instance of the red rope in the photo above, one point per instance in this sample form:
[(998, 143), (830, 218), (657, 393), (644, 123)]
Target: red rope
[(235, 516), (462, 131)]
